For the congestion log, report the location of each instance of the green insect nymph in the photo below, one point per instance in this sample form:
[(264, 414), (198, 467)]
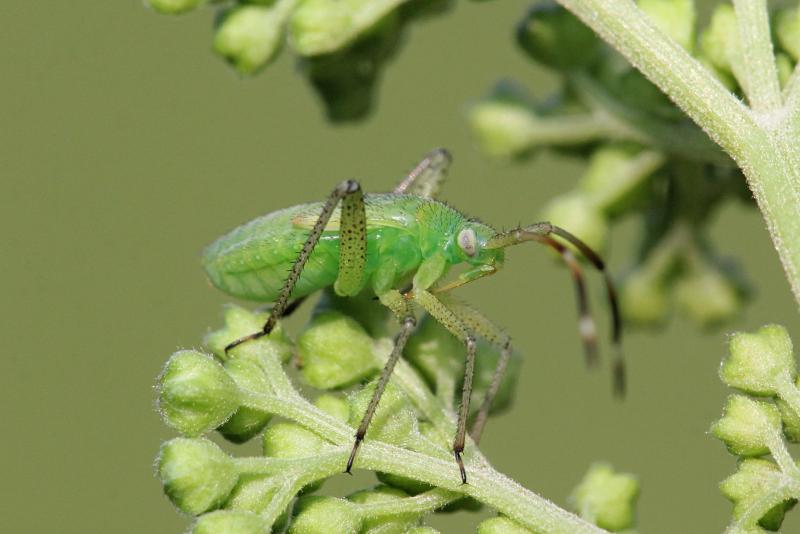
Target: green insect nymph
[(400, 246)]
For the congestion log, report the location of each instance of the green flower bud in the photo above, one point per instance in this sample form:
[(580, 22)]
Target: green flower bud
[(229, 522), (787, 28), (791, 419), (576, 213), (335, 351), (615, 176), (643, 298), (759, 362), (387, 524), (676, 18), (364, 308), (631, 87), (720, 41), (554, 37), (333, 405), (785, 67), (500, 525), (195, 393), (746, 425), (750, 485), (239, 323), (434, 351), (322, 515), (246, 422), (197, 475), (394, 420), (174, 7), (290, 440), (325, 26), (345, 80), (504, 123), (606, 498), (707, 296), (253, 493), (250, 36)]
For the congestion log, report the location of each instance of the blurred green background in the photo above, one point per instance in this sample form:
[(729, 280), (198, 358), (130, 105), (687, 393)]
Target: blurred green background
[(126, 146)]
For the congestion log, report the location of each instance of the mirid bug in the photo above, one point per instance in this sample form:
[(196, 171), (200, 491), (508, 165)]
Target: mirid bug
[(399, 246)]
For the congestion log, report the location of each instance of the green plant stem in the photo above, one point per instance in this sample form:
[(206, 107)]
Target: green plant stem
[(762, 144), (760, 74), (485, 484)]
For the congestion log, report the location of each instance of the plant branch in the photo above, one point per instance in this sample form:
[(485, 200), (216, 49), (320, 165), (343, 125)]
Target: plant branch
[(763, 145), (760, 75)]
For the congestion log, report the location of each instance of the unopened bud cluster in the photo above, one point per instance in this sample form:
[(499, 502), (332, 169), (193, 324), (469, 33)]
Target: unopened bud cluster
[(201, 392), (644, 158), (341, 46), (755, 424)]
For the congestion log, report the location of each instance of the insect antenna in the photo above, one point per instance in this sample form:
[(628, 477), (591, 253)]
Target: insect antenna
[(542, 233)]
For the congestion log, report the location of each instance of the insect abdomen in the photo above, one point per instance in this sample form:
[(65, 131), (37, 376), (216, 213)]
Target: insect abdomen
[(253, 261)]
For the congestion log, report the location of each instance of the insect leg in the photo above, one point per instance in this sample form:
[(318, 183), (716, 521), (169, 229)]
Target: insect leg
[(616, 320), (350, 193), (586, 326), (447, 318), (478, 323), (427, 177), (543, 232), (395, 301)]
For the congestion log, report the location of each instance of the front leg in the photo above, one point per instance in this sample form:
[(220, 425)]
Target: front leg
[(447, 318)]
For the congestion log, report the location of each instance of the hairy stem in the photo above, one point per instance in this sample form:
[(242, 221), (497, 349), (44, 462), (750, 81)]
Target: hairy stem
[(761, 142)]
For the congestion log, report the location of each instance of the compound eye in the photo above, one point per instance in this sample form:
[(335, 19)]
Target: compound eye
[(468, 241)]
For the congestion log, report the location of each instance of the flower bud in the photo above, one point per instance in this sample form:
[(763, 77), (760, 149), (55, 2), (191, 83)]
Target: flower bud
[(707, 296), (174, 7), (554, 37), (239, 323), (394, 420), (759, 362), (229, 522), (195, 393), (321, 515), (607, 498), (720, 40), (253, 493), (785, 67), (324, 26), (246, 422), (504, 122), (576, 213), (787, 29), (386, 524), (335, 351), (643, 297), (197, 475), (290, 440), (434, 351), (333, 405), (500, 525), (676, 18), (750, 485), (790, 418), (249, 36), (614, 176), (746, 425)]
